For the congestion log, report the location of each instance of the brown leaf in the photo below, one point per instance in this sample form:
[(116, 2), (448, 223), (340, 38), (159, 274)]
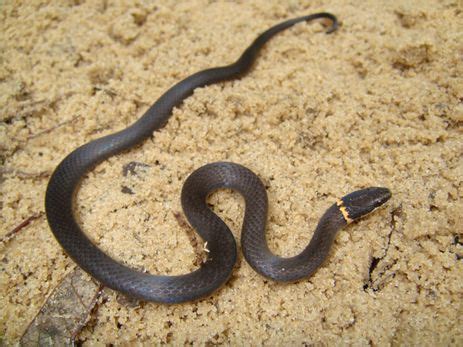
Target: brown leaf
[(65, 313)]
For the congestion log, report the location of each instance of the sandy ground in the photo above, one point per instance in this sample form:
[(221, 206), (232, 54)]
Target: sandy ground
[(377, 103)]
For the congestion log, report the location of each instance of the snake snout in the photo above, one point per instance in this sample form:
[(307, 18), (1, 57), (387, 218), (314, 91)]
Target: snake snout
[(382, 195), (364, 201)]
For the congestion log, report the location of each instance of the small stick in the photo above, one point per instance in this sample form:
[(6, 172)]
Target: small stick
[(20, 226), (24, 174), (49, 130)]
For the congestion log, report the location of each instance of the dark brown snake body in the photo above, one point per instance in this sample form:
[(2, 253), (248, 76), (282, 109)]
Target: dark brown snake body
[(220, 241)]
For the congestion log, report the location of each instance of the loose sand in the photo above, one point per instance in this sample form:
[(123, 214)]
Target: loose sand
[(377, 103)]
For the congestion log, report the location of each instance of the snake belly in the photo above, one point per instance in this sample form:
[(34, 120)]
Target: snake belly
[(61, 189)]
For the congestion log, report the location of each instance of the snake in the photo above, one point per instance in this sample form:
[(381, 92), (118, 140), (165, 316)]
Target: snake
[(222, 256)]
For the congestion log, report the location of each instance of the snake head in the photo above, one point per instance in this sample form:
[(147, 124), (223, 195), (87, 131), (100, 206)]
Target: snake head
[(362, 202)]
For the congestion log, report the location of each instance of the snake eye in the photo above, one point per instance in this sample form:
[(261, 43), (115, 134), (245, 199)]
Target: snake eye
[(362, 202)]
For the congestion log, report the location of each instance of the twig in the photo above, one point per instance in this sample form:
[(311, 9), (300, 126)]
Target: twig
[(20, 226), (25, 174), (49, 130), (395, 213)]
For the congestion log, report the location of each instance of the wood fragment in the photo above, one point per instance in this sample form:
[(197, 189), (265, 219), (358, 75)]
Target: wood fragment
[(131, 168), (65, 313)]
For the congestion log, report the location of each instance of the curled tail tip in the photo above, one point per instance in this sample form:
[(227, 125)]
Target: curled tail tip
[(361, 202), (334, 20), (333, 27)]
